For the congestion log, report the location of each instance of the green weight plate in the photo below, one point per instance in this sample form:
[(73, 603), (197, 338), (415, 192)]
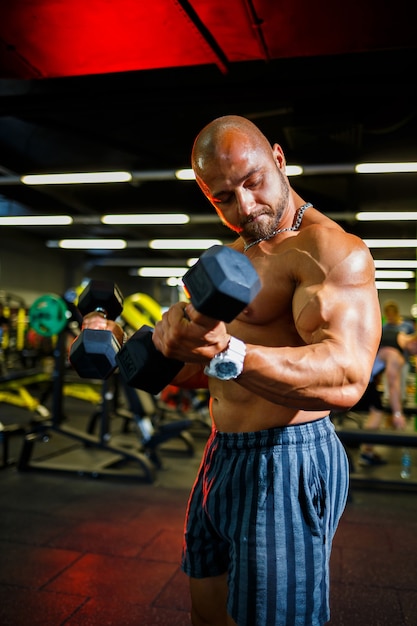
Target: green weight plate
[(48, 315)]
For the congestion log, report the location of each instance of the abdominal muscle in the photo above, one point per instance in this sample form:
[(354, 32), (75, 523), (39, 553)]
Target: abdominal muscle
[(235, 409)]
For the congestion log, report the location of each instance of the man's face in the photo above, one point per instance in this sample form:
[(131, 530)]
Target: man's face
[(247, 187)]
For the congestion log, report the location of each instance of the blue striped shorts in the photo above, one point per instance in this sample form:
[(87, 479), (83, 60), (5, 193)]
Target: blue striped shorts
[(264, 508)]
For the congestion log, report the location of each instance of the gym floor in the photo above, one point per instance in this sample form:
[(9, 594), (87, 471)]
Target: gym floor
[(79, 550)]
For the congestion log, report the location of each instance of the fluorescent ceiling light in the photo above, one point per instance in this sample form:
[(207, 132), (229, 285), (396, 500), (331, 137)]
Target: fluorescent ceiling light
[(185, 174), (386, 284), (293, 170), (36, 220), (188, 173), (391, 243), (76, 178), (183, 244), (151, 218), (385, 168), (90, 244), (173, 281), (400, 263), (385, 216), (394, 274), (162, 272)]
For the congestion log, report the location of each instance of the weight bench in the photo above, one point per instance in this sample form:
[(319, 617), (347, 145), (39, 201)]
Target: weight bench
[(13, 389), (353, 438)]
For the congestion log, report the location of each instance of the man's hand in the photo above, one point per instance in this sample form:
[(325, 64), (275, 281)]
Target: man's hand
[(187, 335), (98, 321)]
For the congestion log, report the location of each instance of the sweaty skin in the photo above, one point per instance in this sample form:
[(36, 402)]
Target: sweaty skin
[(313, 331)]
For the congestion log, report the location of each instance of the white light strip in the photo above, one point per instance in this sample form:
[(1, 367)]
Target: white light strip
[(36, 220), (394, 274), (153, 219), (162, 272), (399, 263), (293, 170), (377, 216), (386, 284), (185, 174), (76, 178), (92, 244), (188, 173), (385, 168), (183, 244), (391, 243)]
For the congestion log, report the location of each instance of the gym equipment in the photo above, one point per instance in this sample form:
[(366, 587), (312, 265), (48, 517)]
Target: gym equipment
[(94, 456), (14, 390), (93, 352), (48, 315), (153, 425), (140, 309), (220, 285)]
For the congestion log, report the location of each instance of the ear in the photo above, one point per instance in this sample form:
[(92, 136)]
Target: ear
[(279, 156)]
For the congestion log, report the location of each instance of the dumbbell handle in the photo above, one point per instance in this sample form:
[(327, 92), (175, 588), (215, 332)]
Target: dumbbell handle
[(142, 366), (219, 285)]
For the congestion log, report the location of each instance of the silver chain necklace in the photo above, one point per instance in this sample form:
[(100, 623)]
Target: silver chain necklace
[(296, 225)]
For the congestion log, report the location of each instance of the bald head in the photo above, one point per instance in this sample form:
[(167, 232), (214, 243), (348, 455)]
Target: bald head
[(216, 140)]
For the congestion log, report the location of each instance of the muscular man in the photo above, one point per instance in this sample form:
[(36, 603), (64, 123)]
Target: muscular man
[(274, 477)]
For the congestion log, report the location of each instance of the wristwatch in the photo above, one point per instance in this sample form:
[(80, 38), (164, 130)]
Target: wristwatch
[(228, 364)]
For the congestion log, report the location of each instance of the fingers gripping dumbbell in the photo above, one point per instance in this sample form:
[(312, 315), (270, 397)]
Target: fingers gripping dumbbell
[(220, 285), (93, 353)]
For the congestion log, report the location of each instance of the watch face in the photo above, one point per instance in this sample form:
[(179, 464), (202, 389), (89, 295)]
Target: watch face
[(226, 369)]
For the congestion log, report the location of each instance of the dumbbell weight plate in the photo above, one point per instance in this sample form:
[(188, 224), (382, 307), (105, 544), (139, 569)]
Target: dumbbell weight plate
[(48, 315), (93, 353), (103, 294), (142, 366), (222, 283)]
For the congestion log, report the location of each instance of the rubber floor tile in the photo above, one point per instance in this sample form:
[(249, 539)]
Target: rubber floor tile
[(408, 600), (103, 537), (395, 570), (356, 605), (33, 567), (165, 547), (30, 527), (175, 594), (100, 612), (36, 608), (363, 536), (133, 580)]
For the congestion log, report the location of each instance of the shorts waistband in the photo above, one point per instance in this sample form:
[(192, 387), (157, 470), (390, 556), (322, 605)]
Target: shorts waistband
[(280, 435)]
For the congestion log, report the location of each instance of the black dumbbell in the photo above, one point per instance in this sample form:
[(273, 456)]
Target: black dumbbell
[(93, 353), (220, 285)]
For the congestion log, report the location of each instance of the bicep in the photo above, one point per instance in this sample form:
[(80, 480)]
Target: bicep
[(341, 307)]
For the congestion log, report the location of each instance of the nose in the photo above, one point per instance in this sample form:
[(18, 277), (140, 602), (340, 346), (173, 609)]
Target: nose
[(245, 201)]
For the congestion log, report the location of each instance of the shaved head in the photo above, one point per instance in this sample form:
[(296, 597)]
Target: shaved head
[(215, 140)]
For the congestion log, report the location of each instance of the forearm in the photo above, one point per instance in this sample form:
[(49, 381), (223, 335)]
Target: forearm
[(191, 377), (312, 377)]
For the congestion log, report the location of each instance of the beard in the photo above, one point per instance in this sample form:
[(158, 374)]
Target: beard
[(253, 228)]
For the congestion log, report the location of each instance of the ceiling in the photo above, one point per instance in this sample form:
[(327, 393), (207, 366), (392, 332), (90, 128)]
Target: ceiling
[(126, 85)]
